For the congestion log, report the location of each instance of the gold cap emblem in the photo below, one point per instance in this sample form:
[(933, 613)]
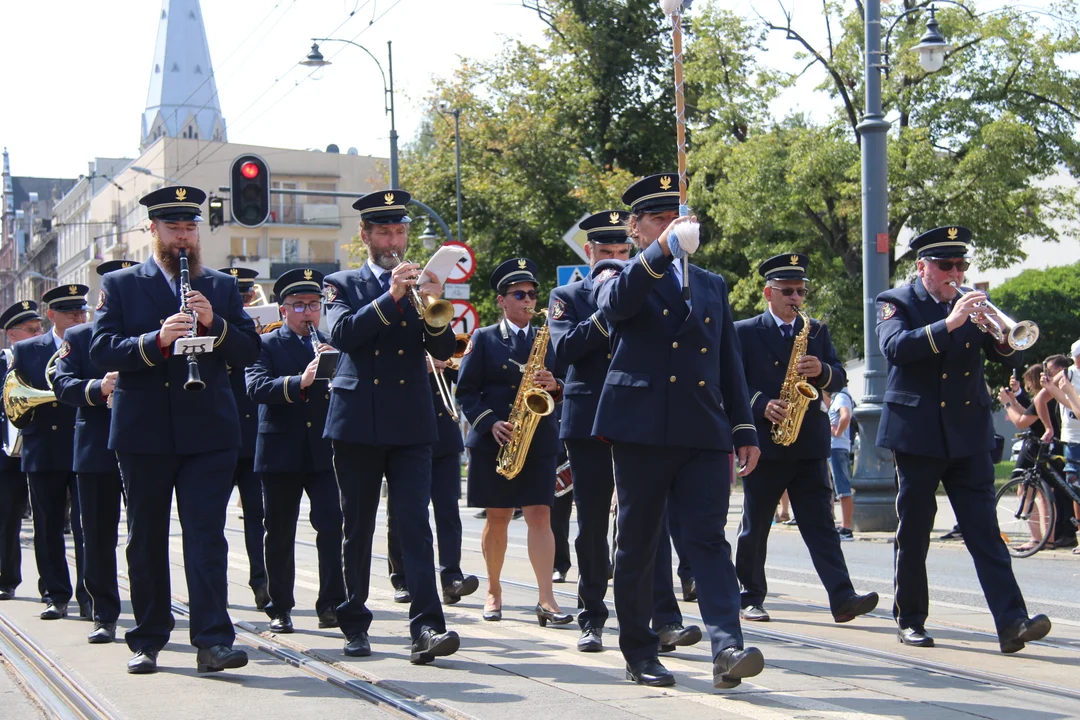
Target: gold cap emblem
[(125, 264), (73, 289), (388, 198), (794, 259), (665, 182), (25, 305), (522, 264), (614, 218), (235, 272), (181, 194), (308, 274), (952, 233)]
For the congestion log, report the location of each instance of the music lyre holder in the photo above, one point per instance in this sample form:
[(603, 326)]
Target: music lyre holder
[(199, 345)]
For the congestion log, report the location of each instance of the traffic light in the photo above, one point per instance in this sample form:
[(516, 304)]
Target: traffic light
[(250, 191), (217, 212)]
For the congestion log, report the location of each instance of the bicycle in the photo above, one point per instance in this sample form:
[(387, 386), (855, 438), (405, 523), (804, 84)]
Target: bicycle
[(1025, 505)]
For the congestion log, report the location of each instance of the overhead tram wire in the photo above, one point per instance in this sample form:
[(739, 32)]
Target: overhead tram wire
[(195, 161)]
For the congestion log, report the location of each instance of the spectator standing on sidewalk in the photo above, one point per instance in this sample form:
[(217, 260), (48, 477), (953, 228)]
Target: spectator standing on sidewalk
[(840, 407)]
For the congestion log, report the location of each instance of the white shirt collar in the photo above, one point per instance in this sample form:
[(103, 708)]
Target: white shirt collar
[(512, 328), (165, 273), (57, 340), (376, 270), (779, 322)]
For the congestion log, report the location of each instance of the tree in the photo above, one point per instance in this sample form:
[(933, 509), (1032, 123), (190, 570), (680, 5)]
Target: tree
[(971, 144)]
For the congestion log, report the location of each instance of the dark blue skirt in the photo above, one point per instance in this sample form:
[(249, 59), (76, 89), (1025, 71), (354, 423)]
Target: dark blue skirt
[(535, 485)]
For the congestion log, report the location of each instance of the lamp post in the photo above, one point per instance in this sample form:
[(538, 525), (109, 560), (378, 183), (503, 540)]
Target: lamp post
[(874, 479), (315, 59), (456, 112)]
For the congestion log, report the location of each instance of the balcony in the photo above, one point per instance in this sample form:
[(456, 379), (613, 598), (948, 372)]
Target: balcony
[(326, 215)]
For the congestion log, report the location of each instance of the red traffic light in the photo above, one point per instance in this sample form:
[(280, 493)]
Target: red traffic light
[(249, 170)]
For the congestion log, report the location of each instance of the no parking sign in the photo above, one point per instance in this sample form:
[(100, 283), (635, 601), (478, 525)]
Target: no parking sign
[(465, 267), (466, 319)]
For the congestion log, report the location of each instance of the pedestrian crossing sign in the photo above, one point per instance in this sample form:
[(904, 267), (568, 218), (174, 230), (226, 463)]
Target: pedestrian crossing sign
[(572, 273)]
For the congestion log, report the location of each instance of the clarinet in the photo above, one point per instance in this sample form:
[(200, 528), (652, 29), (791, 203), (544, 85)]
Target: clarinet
[(194, 381), (314, 339)]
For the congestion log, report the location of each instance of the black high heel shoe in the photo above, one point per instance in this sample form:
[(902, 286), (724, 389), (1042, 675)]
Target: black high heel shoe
[(493, 615), (544, 616)]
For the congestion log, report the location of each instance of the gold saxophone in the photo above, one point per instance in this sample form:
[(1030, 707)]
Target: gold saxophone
[(530, 404), (795, 391)]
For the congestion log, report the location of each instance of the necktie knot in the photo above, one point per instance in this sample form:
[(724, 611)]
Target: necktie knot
[(384, 281), (786, 330)]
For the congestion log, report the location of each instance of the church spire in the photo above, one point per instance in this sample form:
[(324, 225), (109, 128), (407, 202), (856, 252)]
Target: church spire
[(183, 100)]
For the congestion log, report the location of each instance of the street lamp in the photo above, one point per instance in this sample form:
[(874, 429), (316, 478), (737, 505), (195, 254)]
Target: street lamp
[(315, 58), (429, 237), (456, 112), (874, 479), (146, 171)]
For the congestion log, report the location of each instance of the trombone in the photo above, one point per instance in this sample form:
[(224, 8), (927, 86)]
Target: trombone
[(436, 312), (1006, 331), (441, 385)]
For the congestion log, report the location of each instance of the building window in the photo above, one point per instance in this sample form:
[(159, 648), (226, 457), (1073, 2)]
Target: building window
[(244, 247), (283, 207), (285, 250), (321, 251), (982, 286)]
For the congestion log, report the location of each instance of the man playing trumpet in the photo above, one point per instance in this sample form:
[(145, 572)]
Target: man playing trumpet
[(382, 421)]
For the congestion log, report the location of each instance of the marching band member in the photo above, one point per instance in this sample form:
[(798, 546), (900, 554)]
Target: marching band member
[(674, 406), (47, 458), (80, 384), (168, 438), (488, 383), (445, 494), (936, 420), (798, 467), (581, 342), (382, 422), (245, 478), (20, 322), (291, 453)]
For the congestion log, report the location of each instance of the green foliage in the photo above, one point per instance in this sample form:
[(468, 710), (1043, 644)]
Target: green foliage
[(1049, 297)]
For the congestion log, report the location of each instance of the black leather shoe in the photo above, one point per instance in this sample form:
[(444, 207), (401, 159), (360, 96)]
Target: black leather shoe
[(545, 616), (220, 657), (675, 634), (328, 618), (7, 593), (262, 597), (456, 590), (915, 636), (649, 672), (689, 591), (401, 595), (1024, 631), (143, 662), (493, 615), (855, 606), (754, 613), (432, 644), (86, 611), (102, 633), (518, 514), (282, 624), (558, 576), (54, 611), (733, 664), (357, 645), (590, 640)]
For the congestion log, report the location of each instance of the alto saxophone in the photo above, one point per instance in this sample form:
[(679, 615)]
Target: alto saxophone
[(530, 404), (795, 391)]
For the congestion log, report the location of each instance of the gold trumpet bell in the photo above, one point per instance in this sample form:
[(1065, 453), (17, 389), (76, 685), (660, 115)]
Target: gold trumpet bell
[(20, 398), (438, 312)]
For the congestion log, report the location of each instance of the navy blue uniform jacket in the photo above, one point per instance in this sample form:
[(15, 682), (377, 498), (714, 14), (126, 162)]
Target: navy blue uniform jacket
[(49, 439), (765, 361), (78, 384), (449, 432), (580, 338), (488, 383), (152, 413), (673, 381), (289, 418), (381, 393), (247, 412), (936, 403)]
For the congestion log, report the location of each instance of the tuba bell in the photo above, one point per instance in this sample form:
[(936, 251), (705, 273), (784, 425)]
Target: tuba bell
[(20, 398)]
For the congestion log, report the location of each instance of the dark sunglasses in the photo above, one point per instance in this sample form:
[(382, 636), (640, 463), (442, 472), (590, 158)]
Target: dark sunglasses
[(299, 307), (789, 291), (947, 265), (522, 294)]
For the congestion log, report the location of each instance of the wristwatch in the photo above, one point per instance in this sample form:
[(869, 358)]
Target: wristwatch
[(1008, 405)]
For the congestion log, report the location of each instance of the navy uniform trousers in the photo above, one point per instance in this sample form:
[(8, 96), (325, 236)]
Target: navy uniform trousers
[(560, 526), (969, 484), (14, 495), (248, 481), (445, 495), (807, 484), (594, 482)]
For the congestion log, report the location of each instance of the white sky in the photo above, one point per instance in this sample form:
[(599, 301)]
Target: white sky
[(77, 72)]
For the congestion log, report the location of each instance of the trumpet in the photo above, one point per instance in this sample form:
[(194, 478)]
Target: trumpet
[(462, 342), (1006, 331), (436, 312)]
